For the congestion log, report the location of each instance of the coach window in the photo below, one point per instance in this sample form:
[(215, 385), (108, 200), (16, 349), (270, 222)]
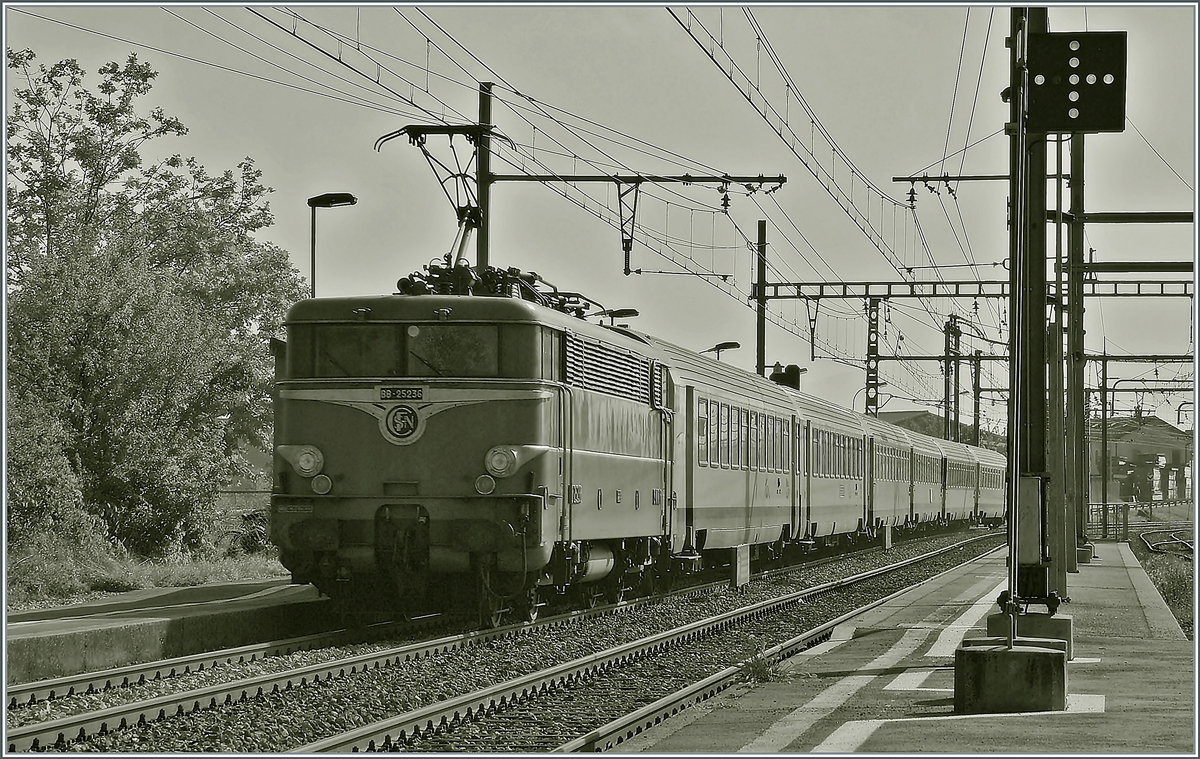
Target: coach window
[(768, 438), (820, 455), (765, 460), (735, 438), (702, 432), (817, 455), (787, 445), (744, 424), (714, 425), (723, 435), (827, 452), (761, 444), (752, 443), (773, 442), (780, 445), (777, 427)]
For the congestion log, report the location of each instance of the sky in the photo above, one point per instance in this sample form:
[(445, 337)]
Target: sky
[(901, 90)]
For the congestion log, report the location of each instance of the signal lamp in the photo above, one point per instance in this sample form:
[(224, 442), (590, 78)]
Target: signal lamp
[(321, 484)]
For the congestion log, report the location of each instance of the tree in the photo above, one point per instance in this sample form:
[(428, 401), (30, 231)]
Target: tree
[(140, 305)]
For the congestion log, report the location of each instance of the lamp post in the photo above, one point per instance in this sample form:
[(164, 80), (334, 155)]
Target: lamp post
[(727, 346), (328, 200)]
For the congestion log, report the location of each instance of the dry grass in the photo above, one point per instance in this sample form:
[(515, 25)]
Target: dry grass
[(46, 575), (1174, 577)]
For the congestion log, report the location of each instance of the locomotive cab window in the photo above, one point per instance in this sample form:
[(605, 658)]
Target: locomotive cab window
[(413, 350)]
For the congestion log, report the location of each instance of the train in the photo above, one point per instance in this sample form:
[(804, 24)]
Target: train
[(474, 442)]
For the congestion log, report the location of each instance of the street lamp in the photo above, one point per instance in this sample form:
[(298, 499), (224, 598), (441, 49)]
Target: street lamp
[(328, 200), (722, 347)]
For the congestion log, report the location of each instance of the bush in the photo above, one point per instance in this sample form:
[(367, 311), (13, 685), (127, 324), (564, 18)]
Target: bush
[(43, 492)]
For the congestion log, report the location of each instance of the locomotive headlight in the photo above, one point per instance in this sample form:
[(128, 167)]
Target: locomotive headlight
[(307, 460), (500, 461)]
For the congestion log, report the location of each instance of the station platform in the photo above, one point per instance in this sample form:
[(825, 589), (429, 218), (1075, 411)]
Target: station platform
[(159, 623), (884, 682)]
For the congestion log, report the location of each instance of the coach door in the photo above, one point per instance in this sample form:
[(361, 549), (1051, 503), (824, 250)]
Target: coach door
[(797, 513), (806, 456), (661, 394), (869, 481)]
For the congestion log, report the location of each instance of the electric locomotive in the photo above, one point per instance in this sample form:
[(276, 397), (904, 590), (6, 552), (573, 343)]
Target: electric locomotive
[(474, 443)]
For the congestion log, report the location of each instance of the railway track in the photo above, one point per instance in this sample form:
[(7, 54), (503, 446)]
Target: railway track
[(28, 694), (1173, 541), (552, 709), (102, 722)]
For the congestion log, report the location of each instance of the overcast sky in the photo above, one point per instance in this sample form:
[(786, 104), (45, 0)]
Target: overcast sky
[(901, 90)]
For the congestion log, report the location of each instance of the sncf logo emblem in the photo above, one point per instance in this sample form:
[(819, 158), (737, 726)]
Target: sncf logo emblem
[(401, 423)]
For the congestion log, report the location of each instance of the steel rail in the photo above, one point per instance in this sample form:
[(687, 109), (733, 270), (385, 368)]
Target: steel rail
[(76, 727), (447, 715), (137, 674)]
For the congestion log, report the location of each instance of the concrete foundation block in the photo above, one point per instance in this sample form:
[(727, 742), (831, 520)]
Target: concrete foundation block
[(1083, 554), (1058, 627), (1002, 680), (1052, 643)]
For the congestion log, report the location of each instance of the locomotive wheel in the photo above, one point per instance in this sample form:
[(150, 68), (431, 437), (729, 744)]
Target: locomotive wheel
[(589, 595), (491, 610), (529, 605), (614, 593)]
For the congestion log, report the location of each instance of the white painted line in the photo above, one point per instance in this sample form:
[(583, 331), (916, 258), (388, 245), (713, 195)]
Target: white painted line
[(790, 727), (843, 633), (948, 641), (850, 736), (911, 679)]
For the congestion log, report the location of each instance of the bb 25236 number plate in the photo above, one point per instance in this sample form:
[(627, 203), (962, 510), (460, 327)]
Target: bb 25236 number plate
[(401, 393)]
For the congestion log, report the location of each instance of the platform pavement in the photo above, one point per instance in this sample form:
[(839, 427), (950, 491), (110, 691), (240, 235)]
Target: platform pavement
[(160, 623), (884, 683)]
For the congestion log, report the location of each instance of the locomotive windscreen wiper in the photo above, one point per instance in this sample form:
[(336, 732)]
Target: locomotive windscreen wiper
[(423, 361), (325, 353)]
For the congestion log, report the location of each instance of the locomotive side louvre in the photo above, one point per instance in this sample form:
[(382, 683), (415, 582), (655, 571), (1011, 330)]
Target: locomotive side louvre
[(619, 425)]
